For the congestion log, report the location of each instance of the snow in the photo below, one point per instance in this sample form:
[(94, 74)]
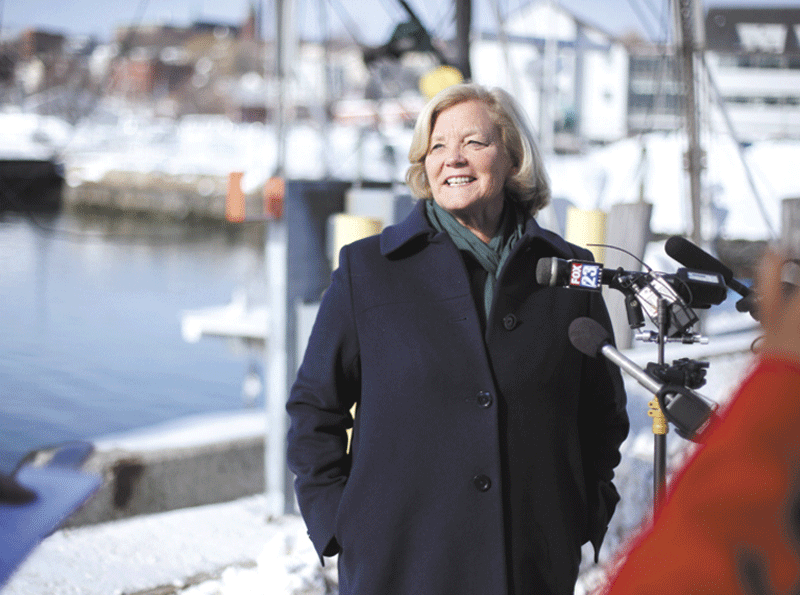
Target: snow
[(613, 174), (235, 549), (29, 136), (650, 165), (232, 548), (195, 430), (237, 319), (213, 145), (225, 549)]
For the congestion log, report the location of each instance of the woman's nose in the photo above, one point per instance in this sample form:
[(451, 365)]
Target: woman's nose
[(455, 156)]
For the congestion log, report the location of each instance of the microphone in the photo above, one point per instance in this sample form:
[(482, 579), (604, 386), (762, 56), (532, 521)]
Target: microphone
[(699, 289), (581, 274), (694, 257), (687, 410), (643, 290)]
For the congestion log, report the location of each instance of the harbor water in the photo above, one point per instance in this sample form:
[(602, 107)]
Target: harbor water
[(90, 324)]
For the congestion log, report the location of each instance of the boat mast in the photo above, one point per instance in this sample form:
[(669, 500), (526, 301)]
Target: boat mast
[(463, 27), (685, 41), (284, 49)]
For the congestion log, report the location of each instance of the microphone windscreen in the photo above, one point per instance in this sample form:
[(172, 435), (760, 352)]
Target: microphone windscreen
[(546, 272), (693, 257), (588, 336), (748, 305)]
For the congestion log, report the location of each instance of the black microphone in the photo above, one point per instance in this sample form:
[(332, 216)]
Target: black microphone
[(699, 289), (645, 289), (694, 257), (590, 338), (687, 410), (580, 274)]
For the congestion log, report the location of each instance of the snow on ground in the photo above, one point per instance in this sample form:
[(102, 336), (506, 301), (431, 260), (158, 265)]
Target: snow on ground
[(225, 549), (650, 165), (193, 430), (29, 136), (232, 548), (613, 174)]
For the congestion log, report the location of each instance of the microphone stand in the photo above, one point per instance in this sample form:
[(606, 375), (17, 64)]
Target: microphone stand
[(660, 426), (663, 320)]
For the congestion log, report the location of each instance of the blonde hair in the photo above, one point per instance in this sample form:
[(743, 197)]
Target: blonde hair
[(528, 185)]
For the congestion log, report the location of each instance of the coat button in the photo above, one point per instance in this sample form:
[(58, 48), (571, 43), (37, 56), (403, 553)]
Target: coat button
[(484, 399), (509, 321), (482, 483)]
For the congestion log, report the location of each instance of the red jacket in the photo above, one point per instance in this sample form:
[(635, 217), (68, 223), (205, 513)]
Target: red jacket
[(730, 522)]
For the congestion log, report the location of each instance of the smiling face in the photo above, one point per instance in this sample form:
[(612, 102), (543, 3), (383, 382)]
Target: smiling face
[(467, 165)]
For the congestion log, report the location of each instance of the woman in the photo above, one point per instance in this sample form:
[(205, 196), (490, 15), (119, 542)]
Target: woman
[(483, 443)]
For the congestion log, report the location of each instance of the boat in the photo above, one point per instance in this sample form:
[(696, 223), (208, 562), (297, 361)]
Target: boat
[(31, 172), (238, 319)]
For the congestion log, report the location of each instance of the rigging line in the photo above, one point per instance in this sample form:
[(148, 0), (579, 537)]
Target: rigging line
[(657, 15), (641, 17), (665, 67), (719, 100), (347, 22), (664, 21), (448, 14), (504, 44), (388, 10), (124, 49)]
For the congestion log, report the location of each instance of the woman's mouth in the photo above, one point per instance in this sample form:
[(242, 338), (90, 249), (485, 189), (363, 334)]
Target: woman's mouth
[(459, 180)]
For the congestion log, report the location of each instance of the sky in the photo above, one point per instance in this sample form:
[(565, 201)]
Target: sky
[(371, 21)]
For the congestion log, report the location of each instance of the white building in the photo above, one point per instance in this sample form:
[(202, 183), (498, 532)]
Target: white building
[(754, 58), (570, 77)]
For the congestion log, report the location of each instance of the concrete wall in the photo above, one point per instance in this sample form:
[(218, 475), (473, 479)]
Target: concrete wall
[(137, 483), (189, 462), (173, 197)]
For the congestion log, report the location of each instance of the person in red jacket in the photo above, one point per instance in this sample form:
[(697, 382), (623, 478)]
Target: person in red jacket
[(730, 522)]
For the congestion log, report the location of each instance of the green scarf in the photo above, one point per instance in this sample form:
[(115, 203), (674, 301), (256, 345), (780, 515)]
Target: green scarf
[(491, 256)]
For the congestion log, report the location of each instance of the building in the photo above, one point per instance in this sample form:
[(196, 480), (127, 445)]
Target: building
[(571, 77), (753, 57), (655, 90)]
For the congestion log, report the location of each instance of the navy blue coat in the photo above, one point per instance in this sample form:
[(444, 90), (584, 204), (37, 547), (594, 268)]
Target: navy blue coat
[(480, 461)]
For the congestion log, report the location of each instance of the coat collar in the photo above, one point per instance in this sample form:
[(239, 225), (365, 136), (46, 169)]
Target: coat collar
[(416, 225)]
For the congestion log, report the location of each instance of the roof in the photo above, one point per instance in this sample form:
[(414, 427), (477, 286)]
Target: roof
[(753, 30)]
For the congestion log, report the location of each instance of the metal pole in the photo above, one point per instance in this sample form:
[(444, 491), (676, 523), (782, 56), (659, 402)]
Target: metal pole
[(276, 371), (548, 85), (693, 155), (284, 47), (660, 427), (463, 27), (275, 256)]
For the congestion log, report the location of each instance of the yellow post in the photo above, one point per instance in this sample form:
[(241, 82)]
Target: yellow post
[(345, 229), (587, 227)]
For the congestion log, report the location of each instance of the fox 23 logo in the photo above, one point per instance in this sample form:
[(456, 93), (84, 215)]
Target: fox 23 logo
[(586, 275)]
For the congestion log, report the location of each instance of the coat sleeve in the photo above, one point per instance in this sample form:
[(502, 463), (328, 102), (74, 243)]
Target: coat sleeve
[(319, 404), (604, 426)]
